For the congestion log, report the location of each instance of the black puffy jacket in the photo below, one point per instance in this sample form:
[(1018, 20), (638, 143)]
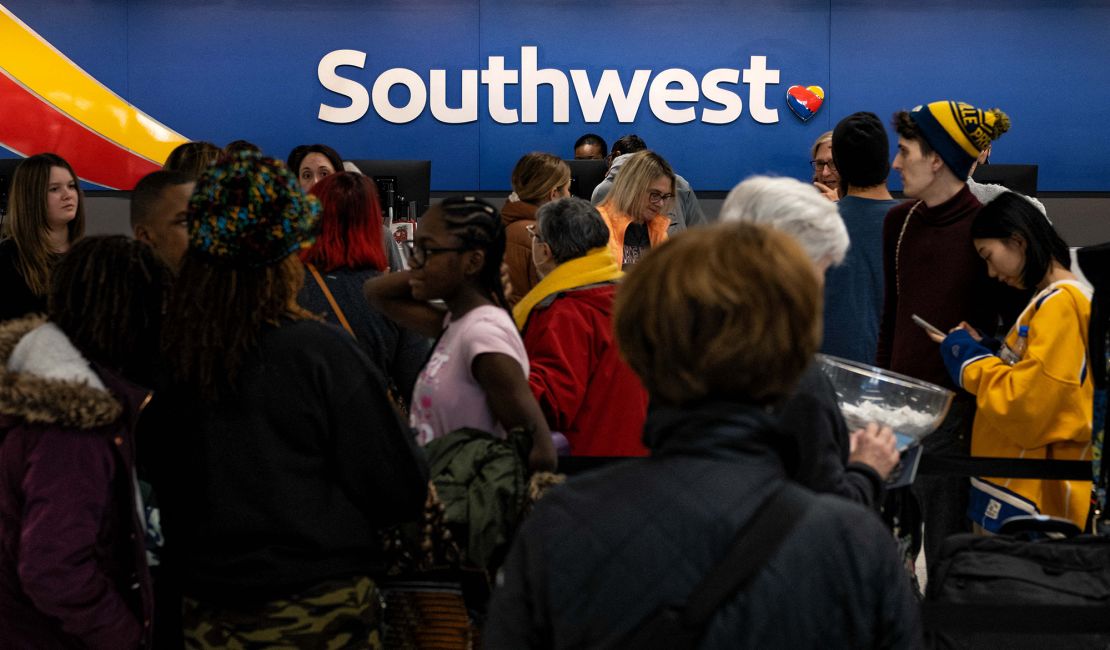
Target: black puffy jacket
[(603, 552)]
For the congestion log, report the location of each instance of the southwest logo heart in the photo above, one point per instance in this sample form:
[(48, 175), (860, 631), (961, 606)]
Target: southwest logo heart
[(805, 101)]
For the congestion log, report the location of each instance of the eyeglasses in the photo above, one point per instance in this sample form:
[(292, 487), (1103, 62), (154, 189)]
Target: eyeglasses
[(418, 255), (819, 165), (532, 231), (657, 197)]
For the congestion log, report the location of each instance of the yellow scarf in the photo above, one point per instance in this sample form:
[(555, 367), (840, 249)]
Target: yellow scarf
[(594, 267)]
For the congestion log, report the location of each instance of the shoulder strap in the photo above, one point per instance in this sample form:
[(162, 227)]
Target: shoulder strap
[(331, 299), (755, 545), (671, 627)]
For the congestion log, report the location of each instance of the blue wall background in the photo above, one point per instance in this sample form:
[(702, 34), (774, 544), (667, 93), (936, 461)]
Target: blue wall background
[(248, 69)]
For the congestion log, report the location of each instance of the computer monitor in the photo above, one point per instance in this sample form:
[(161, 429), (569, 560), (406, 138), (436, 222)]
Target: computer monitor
[(1018, 178), (585, 175), (7, 169), (402, 183)]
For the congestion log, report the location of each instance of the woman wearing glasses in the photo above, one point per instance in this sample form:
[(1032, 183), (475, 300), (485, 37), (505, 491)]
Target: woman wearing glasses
[(477, 376), (636, 208), (825, 177)]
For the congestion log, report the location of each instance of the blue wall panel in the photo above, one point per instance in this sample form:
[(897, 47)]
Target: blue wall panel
[(248, 69)]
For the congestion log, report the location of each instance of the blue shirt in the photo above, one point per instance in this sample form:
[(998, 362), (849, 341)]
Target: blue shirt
[(854, 290)]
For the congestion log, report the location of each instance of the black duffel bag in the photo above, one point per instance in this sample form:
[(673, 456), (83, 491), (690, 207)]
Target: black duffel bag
[(1012, 591)]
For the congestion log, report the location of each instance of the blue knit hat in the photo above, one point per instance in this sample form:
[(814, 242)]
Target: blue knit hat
[(249, 210)]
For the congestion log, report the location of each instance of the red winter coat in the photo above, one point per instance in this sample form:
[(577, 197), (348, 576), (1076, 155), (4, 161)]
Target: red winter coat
[(72, 563), (584, 388)]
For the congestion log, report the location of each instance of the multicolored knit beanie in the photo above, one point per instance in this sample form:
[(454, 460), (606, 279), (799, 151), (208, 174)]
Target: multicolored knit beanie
[(958, 132), (249, 210)]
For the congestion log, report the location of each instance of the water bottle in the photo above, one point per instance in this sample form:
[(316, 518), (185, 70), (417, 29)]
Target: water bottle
[(1009, 355)]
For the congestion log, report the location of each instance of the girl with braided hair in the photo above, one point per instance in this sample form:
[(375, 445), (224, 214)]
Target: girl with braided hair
[(72, 538), (477, 376)]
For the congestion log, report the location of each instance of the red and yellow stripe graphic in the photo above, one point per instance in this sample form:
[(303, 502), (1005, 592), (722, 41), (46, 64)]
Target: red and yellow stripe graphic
[(51, 104)]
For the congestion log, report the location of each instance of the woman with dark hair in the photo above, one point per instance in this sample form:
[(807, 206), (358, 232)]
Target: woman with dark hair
[(278, 456), (312, 162), (1033, 394), (477, 376), (73, 567), (46, 215), (347, 253)]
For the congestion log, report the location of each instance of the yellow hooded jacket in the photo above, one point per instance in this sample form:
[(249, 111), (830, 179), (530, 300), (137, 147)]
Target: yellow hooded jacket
[(1038, 408)]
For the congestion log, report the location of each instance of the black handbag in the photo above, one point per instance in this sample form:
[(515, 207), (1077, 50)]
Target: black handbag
[(675, 627)]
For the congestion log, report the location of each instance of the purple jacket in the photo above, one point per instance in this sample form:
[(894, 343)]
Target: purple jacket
[(72, 564)]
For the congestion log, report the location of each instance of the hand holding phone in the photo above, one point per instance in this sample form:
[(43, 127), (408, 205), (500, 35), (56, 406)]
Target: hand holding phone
[(927, 326)]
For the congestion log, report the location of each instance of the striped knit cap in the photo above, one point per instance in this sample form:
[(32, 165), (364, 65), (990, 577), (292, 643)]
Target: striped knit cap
[(249, 210), (958, 132)]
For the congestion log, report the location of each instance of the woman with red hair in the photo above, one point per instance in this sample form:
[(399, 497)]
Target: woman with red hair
[(349, 251)]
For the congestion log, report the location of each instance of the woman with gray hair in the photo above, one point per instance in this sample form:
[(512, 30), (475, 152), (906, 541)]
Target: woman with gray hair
[(587, 393), (831, 460), (794, 208)]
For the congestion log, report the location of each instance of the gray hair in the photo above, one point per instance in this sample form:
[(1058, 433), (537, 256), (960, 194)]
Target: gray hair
[(793, 207), (571, 227)]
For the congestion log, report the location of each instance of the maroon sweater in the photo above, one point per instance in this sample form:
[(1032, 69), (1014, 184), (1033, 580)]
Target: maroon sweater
[(939, 277)]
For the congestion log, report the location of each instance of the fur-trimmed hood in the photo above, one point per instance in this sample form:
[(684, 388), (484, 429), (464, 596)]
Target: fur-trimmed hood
[(44, 379)]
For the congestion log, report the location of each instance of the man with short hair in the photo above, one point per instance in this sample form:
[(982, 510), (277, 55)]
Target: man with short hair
[(931, 269), (158, 205), (590, 146), (854, 289), (585, 390), (685, 209)]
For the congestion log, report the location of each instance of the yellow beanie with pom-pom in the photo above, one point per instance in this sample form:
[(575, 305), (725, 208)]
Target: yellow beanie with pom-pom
[(958, 132)]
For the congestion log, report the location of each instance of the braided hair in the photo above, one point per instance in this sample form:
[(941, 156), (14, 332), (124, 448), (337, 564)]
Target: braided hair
[(216, 313), (478, 225), (107, 294)]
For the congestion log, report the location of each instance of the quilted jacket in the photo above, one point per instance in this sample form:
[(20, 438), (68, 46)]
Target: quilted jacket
[(601, 553), (72, 563)]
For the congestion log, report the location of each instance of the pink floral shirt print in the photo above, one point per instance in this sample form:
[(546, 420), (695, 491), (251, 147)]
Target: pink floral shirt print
[(447, 396)]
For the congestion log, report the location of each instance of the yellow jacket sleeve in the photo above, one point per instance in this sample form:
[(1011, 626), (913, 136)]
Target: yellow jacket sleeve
[(1024, 399)]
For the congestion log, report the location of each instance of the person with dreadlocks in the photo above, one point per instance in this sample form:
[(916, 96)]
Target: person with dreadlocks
[(477, 376), (71, 541), (278, 455), (46, 215)]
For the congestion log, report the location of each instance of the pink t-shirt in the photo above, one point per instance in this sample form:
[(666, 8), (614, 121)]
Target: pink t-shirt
[(446, 396)]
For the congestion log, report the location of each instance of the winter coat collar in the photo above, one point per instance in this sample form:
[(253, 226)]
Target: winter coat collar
[(44, 379), (514, 211), (718, 429), (595, 266)]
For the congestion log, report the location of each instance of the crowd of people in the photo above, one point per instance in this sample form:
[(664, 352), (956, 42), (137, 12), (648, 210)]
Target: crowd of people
[(207, 429)]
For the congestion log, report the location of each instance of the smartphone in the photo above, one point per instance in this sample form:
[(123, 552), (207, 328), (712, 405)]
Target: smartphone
[(927, 326)]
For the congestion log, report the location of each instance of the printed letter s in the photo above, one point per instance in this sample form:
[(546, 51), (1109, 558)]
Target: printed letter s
[(360, 99)]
